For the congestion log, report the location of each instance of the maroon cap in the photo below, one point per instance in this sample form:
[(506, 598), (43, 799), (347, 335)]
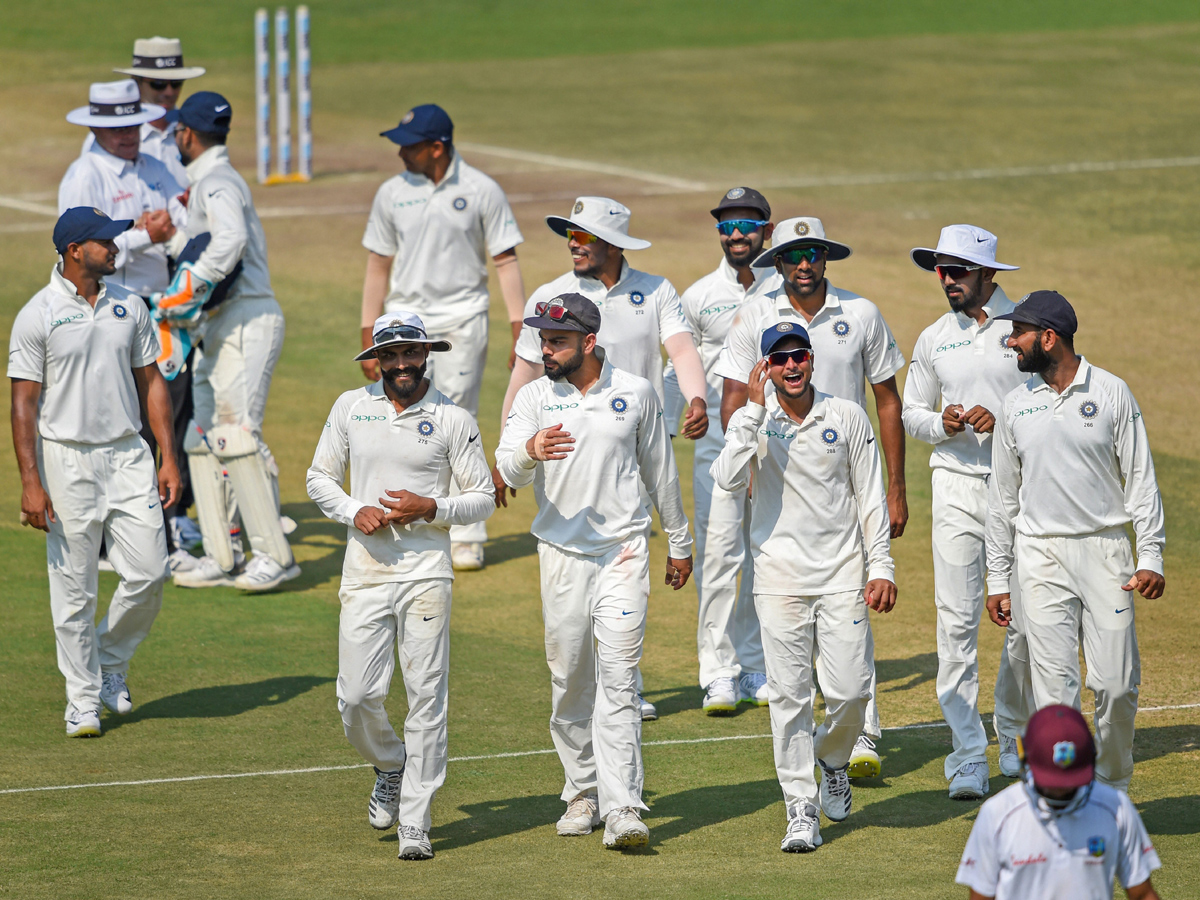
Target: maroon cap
[(1059, 749)]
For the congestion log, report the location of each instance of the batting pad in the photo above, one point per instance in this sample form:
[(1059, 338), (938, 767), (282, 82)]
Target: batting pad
[(252, 486), (208, 486)]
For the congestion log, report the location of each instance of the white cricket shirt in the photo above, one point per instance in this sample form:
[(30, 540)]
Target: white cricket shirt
[(636, 316), (591, 502), (440, 237), (819, 520), (419, 450), (156, 142), (1058, 463), (83, 359), (124, 189), (957, 360), (850, 339), (1018, 851)]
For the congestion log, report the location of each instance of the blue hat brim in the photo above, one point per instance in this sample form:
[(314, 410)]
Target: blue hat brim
[(799, 334), (406, 137)]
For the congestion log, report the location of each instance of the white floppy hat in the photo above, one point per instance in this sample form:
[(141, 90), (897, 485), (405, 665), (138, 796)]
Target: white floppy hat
[(800, 232), (964, 242), (400, 327), (606, 219), (160, 57), (115, 104)]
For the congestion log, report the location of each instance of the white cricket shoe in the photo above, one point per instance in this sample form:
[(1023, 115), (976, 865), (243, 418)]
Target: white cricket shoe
[(114, 693), (1010, 761), (582, 816), (83, 722), (649, 710), (624, 828), (970, 782), (185, 533), (835, 793), (466, 557), (414, 843), (753, 686), (864, 761), (264, 574), (721, 697), (383, 808), (206, 573), (803, 831), (181, 561)]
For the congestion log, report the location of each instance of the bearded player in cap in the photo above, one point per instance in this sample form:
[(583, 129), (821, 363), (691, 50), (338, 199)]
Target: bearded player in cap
[(405, 442), (1059, 832)]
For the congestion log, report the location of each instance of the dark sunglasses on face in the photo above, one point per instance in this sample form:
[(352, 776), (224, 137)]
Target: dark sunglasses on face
[(580, 237), (800, 355), (955, 273), (745, 226), (811, 254), (163, 85)]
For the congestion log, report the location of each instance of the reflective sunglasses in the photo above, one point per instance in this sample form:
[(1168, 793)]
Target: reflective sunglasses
[(799, 356), (794, 256), (745, 226), (163, 85), (400, 333), (580, 237), (556, 311), (955, 272)]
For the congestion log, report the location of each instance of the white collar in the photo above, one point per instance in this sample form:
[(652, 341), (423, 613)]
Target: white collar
[(113, 162), (207, 161), (59, 282)]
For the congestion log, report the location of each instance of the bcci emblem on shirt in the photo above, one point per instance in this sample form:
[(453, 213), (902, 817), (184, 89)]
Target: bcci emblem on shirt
[(119, 311), (637, 298), (619, 405), (425, 428), (841, 328), (1088, 409)]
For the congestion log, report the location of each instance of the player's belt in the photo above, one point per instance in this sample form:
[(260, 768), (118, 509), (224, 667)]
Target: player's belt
[(115, 109), (157, 62)]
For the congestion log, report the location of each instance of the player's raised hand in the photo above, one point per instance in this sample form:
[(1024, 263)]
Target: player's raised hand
[(980, 419), (550, 443), (678, 572), (999, 608), (880, 594), (695, 423), (757, 386), (952, 419), (370, 519), (1149, 584)]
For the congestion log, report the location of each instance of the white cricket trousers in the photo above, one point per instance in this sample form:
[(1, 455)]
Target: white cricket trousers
[(110, 491), (839, 626), (1071, 588), (727, 638), (376, 621), (594, 609), (959, 593)]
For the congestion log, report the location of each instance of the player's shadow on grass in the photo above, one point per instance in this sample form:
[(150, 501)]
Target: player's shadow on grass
[(915, 671), (221, 700), (510, 546), (1151, 743), (917, 809), (314, 530), (495, 818), (1172, 815), (669, 701), (698, 808)]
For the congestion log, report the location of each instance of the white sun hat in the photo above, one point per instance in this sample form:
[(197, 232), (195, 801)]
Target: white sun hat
[(400, 327), (965, 242), (115, 104), (802, 231), (160, 57), (605, 218)]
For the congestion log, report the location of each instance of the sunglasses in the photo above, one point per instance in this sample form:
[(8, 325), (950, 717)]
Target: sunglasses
[(581, 237), (400, 333), (163, 85), (556, 311), (799, 356), (955, 272), (795, 256), (745, 226)]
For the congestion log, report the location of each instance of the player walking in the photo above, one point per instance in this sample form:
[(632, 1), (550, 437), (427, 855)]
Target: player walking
[(819, 536), (962, 362), (85, 472), (405, 442), (587, 436), (1071, 465)]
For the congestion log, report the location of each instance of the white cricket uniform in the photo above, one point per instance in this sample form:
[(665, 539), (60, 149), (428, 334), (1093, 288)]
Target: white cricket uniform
[(1069, 471), (125, 189), (1019, 851), (819, 531), (591, 528), (156, 142), (958, 361), (98, 472), (395, 588)]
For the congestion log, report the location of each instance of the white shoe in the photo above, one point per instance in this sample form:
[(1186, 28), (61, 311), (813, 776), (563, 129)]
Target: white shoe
[(114, 693), (205, 574), (83, 722), (264, 574), (970, 782), (287, 524), (721, 697), (383, 808), (753, 686), (624, 828), (582, 816), (835, 793), (181, 561), (466, 557), (185, 533), (864, 761), (803, 832), (1010, 762), (414, 843), (649, 711)]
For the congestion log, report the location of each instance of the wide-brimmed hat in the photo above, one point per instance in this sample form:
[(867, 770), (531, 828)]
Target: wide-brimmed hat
[(965, 242), (605, 218), (400, 327), (160, 58), (802, 231), (115, 104)]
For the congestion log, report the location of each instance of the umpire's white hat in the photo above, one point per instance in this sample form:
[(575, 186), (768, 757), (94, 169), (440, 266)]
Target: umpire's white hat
[(965, 242), (115, 104), (160, 58)]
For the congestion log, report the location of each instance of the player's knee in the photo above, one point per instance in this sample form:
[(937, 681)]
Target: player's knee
[(357, 700)]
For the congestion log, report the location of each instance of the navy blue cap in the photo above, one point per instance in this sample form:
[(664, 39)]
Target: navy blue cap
[(86, 223), (1045, 310), (204, 111), (427, 122), (781, 331), (566, 312)]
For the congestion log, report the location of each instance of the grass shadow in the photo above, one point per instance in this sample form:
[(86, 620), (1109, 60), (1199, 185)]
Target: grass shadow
[(221, 701), (496, 818), (902, 752), (917, 809), (915, 671), (1151, 743), (669, 701), (510, 546), (1172, 815), (311, 524), (700, 807)]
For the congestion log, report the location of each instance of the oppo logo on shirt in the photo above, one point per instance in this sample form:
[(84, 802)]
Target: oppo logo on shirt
[(1030, 411), (558, 407), (368, 418), (65, 320), (400, 204), (954, 346), (769, 433), (717, 310)]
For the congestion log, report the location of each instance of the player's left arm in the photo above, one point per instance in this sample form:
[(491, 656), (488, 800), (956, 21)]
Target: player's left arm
[(230, 234), (512, 289), (155, 401), (891, 436), (680, 344), (501, 234), (656, 466), (1143, 502), (866, 481)]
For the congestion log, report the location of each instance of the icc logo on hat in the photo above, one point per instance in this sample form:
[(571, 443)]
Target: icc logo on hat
[(801, 229), (578, 207), (1064, 754), (735, 194)]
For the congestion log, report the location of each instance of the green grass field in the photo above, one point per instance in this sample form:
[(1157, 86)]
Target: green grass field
[(768, 95)]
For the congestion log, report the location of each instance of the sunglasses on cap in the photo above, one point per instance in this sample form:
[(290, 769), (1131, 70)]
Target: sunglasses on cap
[(556, 311), (745, 226), (955, 272), (401, 333), (799, 356), (794, 256), (581, 237)]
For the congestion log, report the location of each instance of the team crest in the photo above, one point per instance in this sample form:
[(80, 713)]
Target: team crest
[(784, 326), (735, 194), (1096, 845), (1004, 340), (119, 311), (578, 207), (637, 298), (618, 405), (1088, 409), (801, 229), (829, 436), (425, 428), (408, 117), (460, 203), (1063, 754), (841, 328)]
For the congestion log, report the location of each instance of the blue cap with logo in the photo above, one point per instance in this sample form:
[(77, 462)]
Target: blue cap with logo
[(781, 331), (427, 122), (204, 111), (86, 223), (1045, 310)]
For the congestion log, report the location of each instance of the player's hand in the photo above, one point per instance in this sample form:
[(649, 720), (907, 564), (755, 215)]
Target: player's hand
[(695, 423), (159, 226), (678, 572), (170, 484), (880, 594), (370, 369), (501, 488), (550, 443), (999, 608), (370, 519), (756, 389), (1149, 584), (980, 419), (952, 419), (183, 198), (36, 508), (405, 507), (897, 504)]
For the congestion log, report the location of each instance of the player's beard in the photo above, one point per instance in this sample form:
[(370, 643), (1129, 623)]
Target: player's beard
[(753, 244), (556, 371), (965, 300), (402, 390), (1035, 360)]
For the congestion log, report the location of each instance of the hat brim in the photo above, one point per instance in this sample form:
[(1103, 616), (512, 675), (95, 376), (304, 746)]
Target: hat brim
[(83, 116), (926, 258), (165, 74), (833, 251), (435, 347), (1062, 779), (559, 226), (733, 204), (549, 324), (406, 138), (780, 338)]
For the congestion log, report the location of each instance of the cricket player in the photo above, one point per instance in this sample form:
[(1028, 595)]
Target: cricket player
[(1071, 465), (855, 346), (243, 337), (589, 436), (962, 363), (1059, 832), (405, 442), (819, 534), (430, 233), (82, 362)]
